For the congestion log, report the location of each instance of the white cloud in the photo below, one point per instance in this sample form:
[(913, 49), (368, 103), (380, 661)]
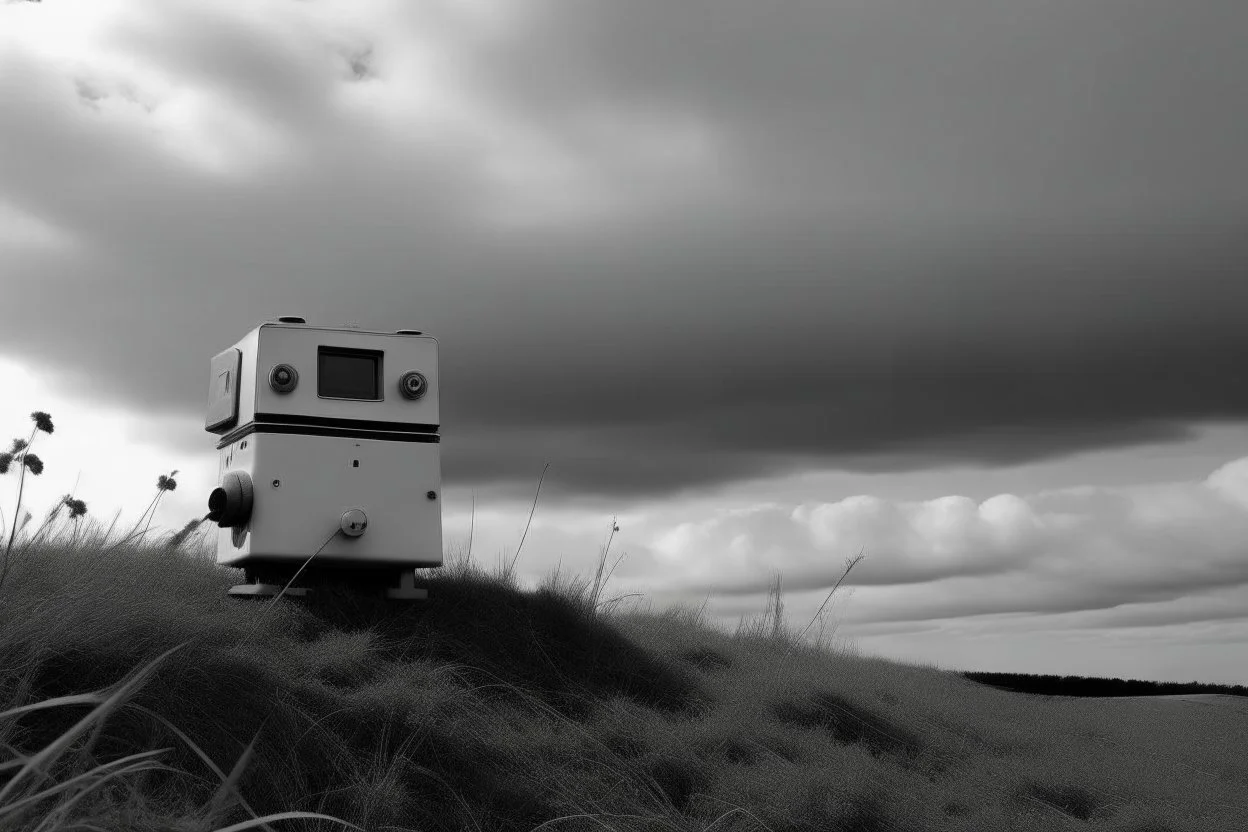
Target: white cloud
[(1080, 548), (232, 89), (97, 68), (1231, 482)]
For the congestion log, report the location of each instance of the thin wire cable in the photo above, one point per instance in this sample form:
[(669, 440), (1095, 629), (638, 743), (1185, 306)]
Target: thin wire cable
[(256, 623)]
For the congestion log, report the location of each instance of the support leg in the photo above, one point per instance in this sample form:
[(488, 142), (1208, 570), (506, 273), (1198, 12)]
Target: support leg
[(406, 590), (258, 587)]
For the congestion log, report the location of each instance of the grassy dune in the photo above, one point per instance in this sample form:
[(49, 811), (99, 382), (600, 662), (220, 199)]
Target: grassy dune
[(492, 708)]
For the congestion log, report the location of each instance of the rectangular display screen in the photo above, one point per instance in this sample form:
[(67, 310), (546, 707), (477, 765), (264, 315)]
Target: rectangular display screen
[(348, 374)]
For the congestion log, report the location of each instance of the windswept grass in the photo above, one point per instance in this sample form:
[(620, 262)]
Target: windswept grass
[(492, 708)]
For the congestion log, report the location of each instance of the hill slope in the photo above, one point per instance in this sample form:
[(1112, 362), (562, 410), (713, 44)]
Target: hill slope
[(490, 708)]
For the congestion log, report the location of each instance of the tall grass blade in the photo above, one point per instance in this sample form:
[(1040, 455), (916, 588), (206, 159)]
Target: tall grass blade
[(72, 699), (57, 747), (530, 521), (199, 752), (252, 824), (229, 785), (126, 765)]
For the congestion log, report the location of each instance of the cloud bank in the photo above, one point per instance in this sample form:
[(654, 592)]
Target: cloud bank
[(1145, 556)]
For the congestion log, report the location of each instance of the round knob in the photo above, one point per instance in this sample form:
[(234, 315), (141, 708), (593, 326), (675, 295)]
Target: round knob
[(230, 503), (353, 523), (283, 378), (413, 384)]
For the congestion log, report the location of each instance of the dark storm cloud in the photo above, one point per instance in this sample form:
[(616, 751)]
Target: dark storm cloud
[(928, 233)]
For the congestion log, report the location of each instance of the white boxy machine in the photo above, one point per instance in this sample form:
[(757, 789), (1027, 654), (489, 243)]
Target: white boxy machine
[(328, 445)]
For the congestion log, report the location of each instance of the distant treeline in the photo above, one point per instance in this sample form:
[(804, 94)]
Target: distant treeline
[(1090, 687)]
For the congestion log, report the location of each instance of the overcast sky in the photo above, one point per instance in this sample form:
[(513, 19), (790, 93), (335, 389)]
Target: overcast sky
[(956, 284)]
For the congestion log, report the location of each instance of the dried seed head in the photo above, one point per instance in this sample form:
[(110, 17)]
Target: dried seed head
[(43, 421)]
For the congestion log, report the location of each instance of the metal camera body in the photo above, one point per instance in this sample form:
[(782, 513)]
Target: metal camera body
[(326, 429)]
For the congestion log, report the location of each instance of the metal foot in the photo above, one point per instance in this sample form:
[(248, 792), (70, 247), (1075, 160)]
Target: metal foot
[(259, 590), (406, 590)]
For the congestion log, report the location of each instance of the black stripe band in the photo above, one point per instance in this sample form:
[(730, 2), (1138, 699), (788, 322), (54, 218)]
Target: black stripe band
[(327, 422), (351, 433)]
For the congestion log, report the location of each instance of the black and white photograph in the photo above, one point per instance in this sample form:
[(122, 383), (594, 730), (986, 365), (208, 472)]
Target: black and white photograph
[(683, 415)]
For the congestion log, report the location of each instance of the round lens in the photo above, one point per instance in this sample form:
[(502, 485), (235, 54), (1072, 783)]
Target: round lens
[(283, 378), (413, 384)]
